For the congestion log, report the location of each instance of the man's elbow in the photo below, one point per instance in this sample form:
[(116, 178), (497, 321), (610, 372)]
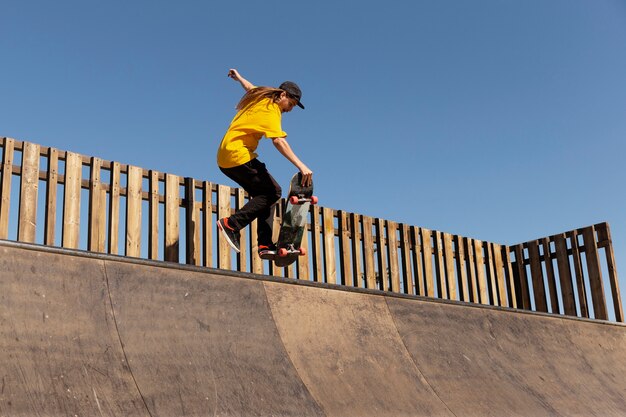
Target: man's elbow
[(278, 141)]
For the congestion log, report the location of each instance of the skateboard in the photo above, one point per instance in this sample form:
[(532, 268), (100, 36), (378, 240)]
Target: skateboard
[(299, 200)]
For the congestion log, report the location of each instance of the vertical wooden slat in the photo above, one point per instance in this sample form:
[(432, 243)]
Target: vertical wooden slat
[(392, 242), (565, 275), (355, 224), (223, 210), (491, 274), (52, 178), (344, 248), (276, 221), (550, 277), (330, 264), (427, 249), (498, 266), (255, 261), (71, 201), (276, 218), (316, 246), (102, 217), (172, 218), (133, 211), (97, 208), (114, 208), (242, 256), (381, 245), (483, 293), (521, 287), (449, 262), (537, 279), (289, 270), (461, 268), (27, 224), (153, 215), (95, 184), (208, 224), (405, 250), (5, 187), (196, 219), (440, 274), (303, 261), (509, 276), (578, 273), (595, 274), (192, 224), (368, 253), (471, 270), (418, 265), (604, 234)]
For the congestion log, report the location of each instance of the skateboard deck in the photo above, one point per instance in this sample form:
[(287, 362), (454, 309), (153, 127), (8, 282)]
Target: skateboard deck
[(299, 200)]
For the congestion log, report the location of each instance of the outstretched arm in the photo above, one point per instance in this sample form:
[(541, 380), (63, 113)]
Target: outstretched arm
[(247, 85), (283, 147)]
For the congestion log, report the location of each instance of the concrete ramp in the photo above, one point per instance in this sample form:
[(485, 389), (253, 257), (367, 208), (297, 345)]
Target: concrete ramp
[(200, 344), (486, 362), (88, 335), (347, 350)]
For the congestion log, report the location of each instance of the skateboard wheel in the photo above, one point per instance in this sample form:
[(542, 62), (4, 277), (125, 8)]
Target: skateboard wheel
[(294, 199), (302, 251), (313, 199), (282, 252)]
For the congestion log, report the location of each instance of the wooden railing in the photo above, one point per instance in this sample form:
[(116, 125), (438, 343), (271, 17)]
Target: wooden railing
[(65, 199)]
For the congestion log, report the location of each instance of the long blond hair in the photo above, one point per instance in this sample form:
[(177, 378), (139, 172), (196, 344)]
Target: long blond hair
[(258, 93)]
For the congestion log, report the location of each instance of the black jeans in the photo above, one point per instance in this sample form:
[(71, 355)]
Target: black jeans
[(264, 192)]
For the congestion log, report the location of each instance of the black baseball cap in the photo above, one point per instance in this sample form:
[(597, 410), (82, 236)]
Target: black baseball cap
[(293, 91)]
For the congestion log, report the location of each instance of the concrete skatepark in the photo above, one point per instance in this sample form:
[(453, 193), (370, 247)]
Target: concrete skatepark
[(97, 335)]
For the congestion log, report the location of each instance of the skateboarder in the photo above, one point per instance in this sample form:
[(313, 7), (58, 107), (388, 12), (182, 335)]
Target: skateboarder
[(259, 114)]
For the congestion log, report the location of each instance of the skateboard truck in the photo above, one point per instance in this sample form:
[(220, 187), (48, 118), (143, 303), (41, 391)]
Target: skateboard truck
[(300, 199), (283, 252)]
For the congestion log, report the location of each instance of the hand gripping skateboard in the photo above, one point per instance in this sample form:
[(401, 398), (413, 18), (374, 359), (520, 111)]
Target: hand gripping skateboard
[(292, 228)]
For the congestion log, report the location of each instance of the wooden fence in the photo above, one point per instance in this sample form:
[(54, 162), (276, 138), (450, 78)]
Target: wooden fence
[(65, 199)]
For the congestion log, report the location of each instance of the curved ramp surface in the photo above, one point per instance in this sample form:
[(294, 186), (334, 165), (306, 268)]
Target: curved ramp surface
[(88, 335), (488, 362), (201, 344)]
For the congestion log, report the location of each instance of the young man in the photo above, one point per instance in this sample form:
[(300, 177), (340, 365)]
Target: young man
[(259, 115)]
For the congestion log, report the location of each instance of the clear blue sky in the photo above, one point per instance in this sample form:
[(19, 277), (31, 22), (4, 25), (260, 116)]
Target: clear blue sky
[(499, 120)]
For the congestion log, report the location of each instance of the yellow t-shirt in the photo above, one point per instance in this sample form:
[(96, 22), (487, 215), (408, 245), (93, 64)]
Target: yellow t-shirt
[(239, 144)]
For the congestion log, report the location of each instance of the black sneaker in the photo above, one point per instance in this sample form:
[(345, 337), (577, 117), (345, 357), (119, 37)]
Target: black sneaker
[(231, 235), (267, 252)]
